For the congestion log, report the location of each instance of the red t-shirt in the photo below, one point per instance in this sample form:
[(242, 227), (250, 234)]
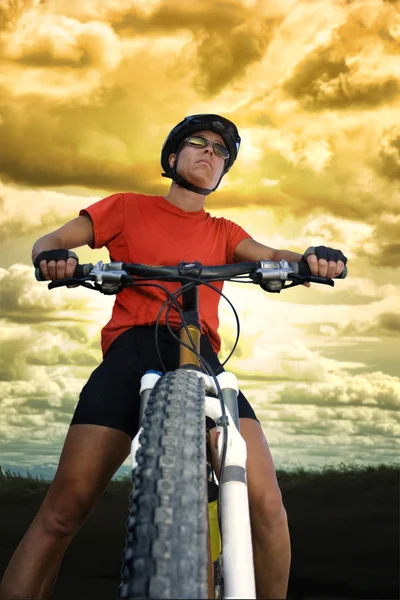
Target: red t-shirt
[(150, 230)]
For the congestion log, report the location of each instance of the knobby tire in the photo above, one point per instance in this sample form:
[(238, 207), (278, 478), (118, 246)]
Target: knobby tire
[(166, 550)]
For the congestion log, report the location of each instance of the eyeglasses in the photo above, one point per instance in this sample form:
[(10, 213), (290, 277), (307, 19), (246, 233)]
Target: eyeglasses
[(197, 141)]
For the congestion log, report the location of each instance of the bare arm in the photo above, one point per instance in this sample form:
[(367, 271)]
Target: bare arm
[(73, 234), (250, 250)]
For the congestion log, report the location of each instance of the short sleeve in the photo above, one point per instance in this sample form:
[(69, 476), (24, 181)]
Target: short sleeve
[(234, 235), (107, 217)]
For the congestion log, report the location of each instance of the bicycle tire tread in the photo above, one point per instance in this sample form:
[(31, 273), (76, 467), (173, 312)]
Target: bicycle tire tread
[(166, 540)]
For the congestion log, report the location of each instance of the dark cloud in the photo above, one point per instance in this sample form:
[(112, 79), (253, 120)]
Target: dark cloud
[(227, 40), (12, 363), (310, 72), (40, 146), (41, 56), (389, 154), (389, 255), (173, 16), (383, 247), (387, 324), (386, 254), (332, 76), (222, 61), (323, 81), (387, 231)]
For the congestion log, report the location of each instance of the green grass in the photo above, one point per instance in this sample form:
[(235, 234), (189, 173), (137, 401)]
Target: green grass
[(15, 485), (342, 472)]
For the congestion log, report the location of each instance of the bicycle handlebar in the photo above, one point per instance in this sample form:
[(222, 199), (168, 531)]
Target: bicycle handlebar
[(114, 276)]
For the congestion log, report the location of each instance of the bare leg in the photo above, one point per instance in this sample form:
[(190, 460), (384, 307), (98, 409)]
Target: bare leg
[(270, 533), (89, 459)]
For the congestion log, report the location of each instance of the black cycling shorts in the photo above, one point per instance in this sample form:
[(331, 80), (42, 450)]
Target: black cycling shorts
[(111, 395)]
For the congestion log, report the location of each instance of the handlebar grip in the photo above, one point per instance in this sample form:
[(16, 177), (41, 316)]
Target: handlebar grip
[(80, 272), (39, 275), (303, 269)]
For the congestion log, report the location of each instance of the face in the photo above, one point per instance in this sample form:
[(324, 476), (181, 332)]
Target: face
[(200, 166)]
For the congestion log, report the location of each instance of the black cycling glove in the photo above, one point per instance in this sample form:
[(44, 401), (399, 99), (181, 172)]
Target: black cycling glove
[(49, 255), (56, 255), (329, 254)]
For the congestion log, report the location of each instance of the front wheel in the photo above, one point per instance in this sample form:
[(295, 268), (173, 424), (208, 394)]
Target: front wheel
[(166, 550)]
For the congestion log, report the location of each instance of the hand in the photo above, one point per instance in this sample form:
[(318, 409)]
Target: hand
[(56, 264), (325, 262), (58, 270)]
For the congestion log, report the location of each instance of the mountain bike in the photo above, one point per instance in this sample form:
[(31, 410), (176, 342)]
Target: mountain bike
[(188, 529)]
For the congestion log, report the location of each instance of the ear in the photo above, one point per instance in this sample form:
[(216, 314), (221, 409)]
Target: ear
[(172, 159)]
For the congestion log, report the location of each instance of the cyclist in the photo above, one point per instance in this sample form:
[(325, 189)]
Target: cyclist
[(197, 153)]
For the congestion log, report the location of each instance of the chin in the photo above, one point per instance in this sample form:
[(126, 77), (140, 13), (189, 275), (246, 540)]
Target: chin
[(201, 183)]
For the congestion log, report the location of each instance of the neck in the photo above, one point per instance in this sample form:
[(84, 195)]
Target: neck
[(184, 199)]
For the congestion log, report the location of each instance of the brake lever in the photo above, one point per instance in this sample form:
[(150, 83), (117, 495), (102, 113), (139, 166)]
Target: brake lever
[(69, 281), (106, 288), (300, 279)]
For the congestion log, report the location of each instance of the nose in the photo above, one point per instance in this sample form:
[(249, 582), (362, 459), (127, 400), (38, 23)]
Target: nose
[(209, 147)]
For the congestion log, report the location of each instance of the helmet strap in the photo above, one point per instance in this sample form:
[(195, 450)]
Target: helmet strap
[(178, 179)]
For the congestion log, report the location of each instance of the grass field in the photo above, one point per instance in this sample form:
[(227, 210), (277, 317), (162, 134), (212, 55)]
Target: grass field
[(344, 524)]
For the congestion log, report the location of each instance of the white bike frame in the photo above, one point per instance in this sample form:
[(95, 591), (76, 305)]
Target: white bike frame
[(237, 550)]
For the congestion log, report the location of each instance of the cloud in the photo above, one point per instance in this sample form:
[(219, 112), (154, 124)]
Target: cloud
[(376, 389), (288, 360), (334, 422), (349, 71), (52, 54), (223, 60), (318, 167), (47, 328), (389, 153), (25, 300), (26, 346), (385, 324), (35, 414), (329, 423), (12, 225), (57, 144), (170, 17), (382, 248), (62, 42), (227, 41), (11, 11), (88, 93), (106, 139), (52, 209)]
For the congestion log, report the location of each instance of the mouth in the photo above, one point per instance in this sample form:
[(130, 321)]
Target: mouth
[(204, 162)]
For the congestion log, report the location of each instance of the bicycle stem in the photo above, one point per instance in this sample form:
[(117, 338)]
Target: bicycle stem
[(190, 304)]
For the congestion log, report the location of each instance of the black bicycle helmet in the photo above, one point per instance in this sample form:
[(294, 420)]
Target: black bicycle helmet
[(190, 125)]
